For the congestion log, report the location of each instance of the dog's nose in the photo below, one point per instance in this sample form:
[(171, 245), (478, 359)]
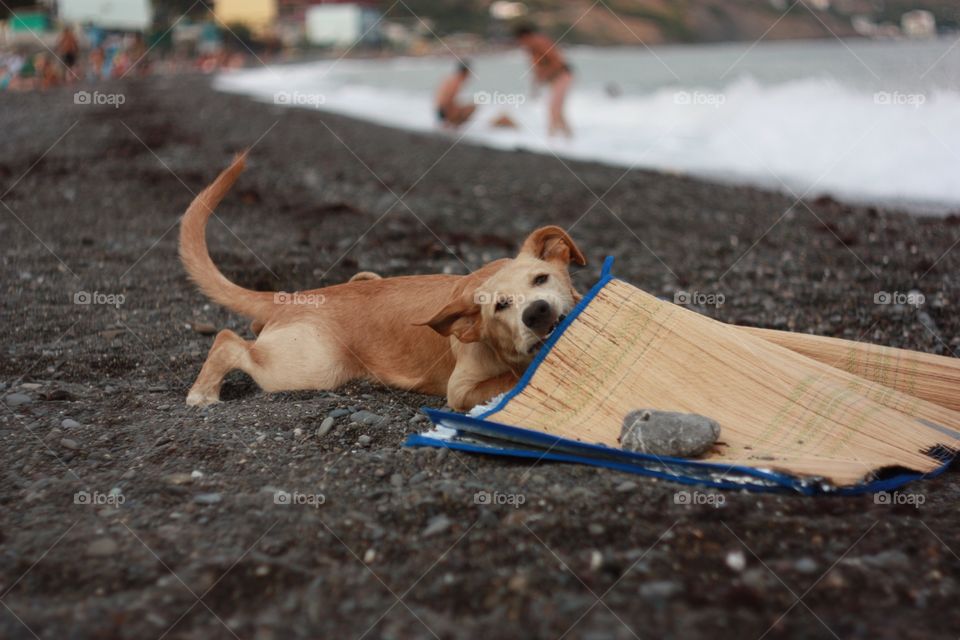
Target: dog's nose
[(538, 315)]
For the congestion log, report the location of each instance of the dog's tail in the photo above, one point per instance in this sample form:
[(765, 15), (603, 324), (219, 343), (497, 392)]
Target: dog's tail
[(196, 258)]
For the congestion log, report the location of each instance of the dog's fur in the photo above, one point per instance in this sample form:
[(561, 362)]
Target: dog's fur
[(469, 337)]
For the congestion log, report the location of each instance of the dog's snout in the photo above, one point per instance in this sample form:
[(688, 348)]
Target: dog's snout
[(538, 315)]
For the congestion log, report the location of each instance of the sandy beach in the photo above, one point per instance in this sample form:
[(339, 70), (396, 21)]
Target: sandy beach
[(179, 535)]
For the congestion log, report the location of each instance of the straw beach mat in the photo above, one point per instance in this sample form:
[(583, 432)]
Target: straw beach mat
[(796, 421)]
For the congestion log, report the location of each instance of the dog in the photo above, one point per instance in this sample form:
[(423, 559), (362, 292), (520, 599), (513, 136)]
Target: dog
[(467, 337)]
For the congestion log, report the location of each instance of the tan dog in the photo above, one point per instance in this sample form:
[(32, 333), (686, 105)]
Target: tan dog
[(469, 337)]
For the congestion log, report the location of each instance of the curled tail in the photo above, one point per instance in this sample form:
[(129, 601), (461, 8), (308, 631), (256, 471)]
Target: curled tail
[(196, 258)]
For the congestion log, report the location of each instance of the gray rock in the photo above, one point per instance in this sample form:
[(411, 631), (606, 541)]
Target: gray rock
[(207, 498), (326, 426), (366, 417), (364, 440), (437, 525), (660, 590), (338, 413), (626, 487), (396, 480), (102, 547), (805, 565), (17, 399), (68, 423), (68, 443), (668, 433)]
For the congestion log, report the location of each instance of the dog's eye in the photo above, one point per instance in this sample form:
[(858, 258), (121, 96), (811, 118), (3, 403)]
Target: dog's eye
[(501, 305), (540, 279)]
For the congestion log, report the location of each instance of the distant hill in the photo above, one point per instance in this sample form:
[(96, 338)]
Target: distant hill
[(658, 21)]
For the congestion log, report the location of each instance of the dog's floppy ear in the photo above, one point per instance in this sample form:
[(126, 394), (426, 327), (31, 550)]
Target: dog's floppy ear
[(552, 244), (460, 318)]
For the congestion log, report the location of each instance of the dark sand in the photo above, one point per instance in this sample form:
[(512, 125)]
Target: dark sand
[(400, 549)]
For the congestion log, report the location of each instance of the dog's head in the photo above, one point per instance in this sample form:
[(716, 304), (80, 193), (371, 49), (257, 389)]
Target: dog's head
[(517, 307)]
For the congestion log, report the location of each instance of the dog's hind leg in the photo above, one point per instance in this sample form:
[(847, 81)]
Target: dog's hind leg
[(229, 352)]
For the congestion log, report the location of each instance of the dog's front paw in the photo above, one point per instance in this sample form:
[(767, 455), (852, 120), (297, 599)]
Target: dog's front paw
[(199, 399)]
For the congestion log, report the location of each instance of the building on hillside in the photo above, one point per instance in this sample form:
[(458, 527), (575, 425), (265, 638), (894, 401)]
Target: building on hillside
[(256, 15), (113, 15), (342, 24), (918, 24)]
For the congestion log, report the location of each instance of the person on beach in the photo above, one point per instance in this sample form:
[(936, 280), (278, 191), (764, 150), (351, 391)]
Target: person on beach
[(450, 112), (549, 67), (68, 48)]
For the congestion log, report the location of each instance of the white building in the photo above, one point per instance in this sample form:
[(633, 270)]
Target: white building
[(122, 15), (341, 24), (918, 24)]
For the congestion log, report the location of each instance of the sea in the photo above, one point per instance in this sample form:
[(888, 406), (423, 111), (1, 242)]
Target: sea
[(866, 121)]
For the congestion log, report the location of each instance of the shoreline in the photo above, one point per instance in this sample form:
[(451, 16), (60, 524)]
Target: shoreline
[(96, 195)]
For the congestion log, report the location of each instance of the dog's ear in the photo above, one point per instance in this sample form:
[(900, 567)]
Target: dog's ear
[(552, 244), (461, 318)]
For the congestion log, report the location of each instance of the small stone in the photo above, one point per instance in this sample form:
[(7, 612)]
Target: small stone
[(69, 443), (396, 480), (297, 432), (102, 547), (805, 565), (366, 417), (31, 386), (338, 413), (596, 529), (369, 556), (626, 487), (204, 328), (178, 478), (736, 560), (17, 399), (668, 433), (437, 525), (207, 498), (596, 560), (67, 423), (325, 426), (660, 589), (364, 440)]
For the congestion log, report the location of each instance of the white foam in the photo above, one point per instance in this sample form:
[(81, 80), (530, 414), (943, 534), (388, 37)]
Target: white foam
[(809, 135)]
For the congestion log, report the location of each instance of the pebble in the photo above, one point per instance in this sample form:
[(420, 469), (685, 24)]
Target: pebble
[(204, 328), (437, 525), (102, 547), (625, 487), (69, 443), (364, 440), (596, 529), (396, 480), (660, 589), (805, 565), (736, 560), (325, 426), (668, 433), (178, 478), (17, 399), (207, 498), (338, 413), (366, 417), (68, 423)]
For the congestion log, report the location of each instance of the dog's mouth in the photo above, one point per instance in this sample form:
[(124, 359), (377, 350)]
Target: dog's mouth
[(542, 340)]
